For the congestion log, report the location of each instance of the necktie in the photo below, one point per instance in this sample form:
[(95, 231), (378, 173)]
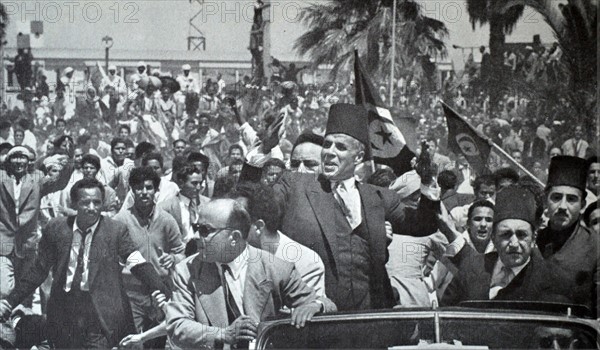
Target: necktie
[(51, 212), (506, 276), (233, 312), (346, 203), (193, 208), (76, 285)]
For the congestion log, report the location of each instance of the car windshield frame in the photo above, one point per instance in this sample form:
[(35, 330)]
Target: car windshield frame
[(438, 318)]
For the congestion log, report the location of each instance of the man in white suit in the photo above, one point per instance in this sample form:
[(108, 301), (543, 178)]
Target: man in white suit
[(222, 292)]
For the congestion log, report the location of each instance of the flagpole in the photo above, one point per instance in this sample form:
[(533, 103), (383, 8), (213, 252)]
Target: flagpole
[(496, 147), (513, 161), (393, 55)]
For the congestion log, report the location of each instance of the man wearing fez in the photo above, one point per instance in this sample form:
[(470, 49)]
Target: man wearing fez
[(516, 270), (566, 242), (344, 221)]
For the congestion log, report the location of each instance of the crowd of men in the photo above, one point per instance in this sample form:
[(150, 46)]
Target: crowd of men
[(167, 213)]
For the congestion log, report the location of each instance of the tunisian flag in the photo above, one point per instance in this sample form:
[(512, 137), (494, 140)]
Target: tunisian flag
[(388, 145), (463, 139)]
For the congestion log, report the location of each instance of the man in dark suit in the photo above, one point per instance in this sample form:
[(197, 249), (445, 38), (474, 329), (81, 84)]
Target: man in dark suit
[(185, 205), (88, 306), (222, 292), (516, 271), (344, 221), (566, 243)]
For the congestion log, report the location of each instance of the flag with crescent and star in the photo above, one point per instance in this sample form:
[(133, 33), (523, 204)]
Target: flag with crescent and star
[(464, 139), (388, 144)]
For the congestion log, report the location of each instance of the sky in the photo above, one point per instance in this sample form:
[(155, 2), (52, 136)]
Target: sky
[(164, 25)]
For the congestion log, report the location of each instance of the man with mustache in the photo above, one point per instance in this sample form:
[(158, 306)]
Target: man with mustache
[(566, 243), (516, 270)]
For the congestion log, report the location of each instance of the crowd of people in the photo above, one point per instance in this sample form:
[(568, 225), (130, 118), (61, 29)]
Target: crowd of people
[(163, 211)]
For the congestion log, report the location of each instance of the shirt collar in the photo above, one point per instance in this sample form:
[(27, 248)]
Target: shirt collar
[(136, 212), (349, 184), (92, 228), (515, 270), (238, 264), (489, 248), (184, 200)]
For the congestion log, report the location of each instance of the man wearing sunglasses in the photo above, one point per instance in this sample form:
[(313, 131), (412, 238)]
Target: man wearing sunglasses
[(223, 292)]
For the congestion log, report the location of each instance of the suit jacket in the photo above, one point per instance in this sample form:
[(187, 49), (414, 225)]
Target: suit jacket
[(307, 262), (574, 148), (19, 225), (111, 243), (197, 312), (309, 211), (579, 258), (536, 282), (172, 207)]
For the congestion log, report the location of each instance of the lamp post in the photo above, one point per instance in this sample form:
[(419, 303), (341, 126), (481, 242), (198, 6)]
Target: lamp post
[(108, 43), (393, 54)]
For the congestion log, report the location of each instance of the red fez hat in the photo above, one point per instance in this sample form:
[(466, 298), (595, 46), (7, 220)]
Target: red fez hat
[(349, 119), (567, 171), (515, 203)]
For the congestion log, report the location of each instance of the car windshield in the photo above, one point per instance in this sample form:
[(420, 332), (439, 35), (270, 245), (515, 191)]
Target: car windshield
[(350, 334), (415, 333)]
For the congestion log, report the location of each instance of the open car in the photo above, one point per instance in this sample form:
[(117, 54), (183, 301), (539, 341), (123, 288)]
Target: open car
[(472, 325)]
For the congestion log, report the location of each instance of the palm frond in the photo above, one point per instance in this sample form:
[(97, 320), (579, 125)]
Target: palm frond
[(338, 27)]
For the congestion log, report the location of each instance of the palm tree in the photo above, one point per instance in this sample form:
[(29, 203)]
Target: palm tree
[(575, 28), (501, 23), (338, 27)]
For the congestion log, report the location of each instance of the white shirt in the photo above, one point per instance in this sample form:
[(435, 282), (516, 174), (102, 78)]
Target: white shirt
[(117, 82), (348, 196), (498, 275), (133, 259), (109, 170), (188, 84), (184, 205), (488, 249), (236, 278), (17, 193), (75, 253)]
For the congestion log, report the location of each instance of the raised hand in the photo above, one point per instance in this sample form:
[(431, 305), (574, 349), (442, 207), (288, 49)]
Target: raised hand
[(272, 134)]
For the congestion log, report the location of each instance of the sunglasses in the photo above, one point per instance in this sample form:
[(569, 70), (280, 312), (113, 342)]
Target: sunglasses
[(205, 230), (295, 163)]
